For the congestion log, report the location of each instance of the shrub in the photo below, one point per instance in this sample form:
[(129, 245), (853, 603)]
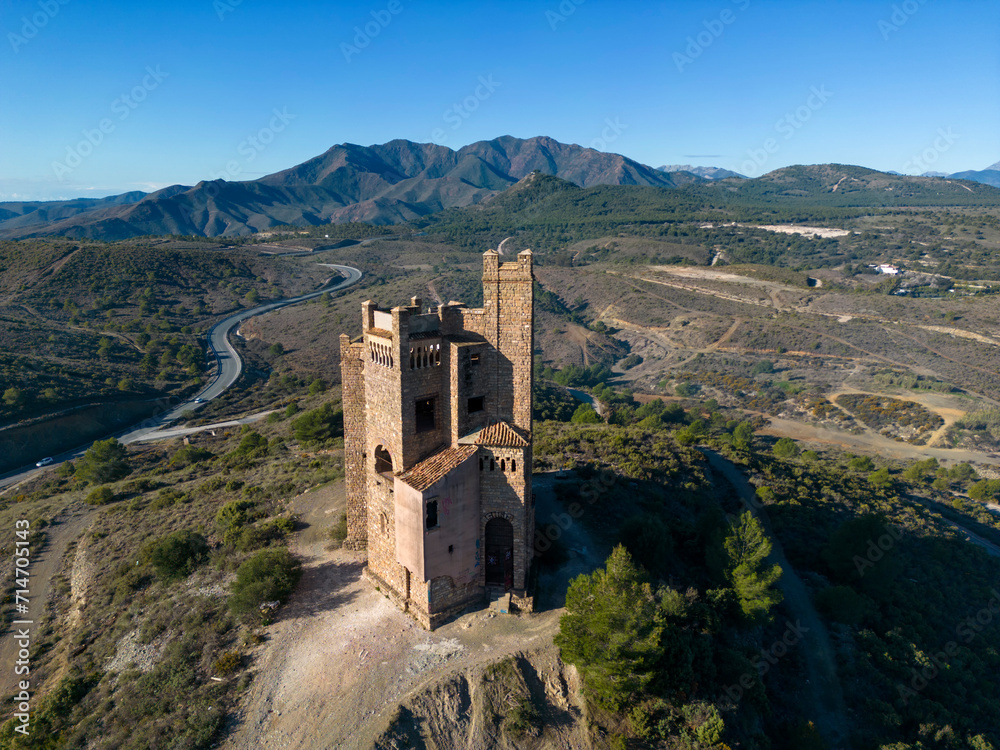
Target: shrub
[(253, 443), (861, 463), (270, 575), (631, 361), (100, 496), (189, 454), (338, 532), (686, 390), (523, 719), (786, 448), (260, 535), (232, 517), (585, 414), (230, 662), (319, 425), (178, 554), (985, 490), (880, 478), (167, 497)]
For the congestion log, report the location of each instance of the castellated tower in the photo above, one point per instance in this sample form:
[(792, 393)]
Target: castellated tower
[(437, 438)]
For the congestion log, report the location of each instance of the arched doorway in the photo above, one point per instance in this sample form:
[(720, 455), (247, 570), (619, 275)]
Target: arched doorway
[(500, 553), (383, 461)]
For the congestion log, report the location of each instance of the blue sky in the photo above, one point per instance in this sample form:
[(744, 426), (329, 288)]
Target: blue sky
[(98, 97)]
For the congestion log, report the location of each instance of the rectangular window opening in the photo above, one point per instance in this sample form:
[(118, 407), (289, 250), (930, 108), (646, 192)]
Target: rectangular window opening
[(476, 404), (425, 415), (474, 358), (432, 514)]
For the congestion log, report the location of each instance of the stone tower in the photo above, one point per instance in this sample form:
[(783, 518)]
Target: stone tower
[(437, 439)]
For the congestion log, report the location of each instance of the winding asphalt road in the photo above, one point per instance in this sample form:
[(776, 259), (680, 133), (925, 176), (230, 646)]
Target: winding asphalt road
[(229, 368)]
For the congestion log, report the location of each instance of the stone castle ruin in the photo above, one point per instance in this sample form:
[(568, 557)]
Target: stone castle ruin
[(437, 442)]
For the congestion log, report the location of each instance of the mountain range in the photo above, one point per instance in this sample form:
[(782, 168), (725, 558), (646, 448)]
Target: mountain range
[(381, 184), (402, 181), (988, 176)]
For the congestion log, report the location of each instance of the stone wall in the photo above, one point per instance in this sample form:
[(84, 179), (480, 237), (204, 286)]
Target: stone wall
[(352, 377)]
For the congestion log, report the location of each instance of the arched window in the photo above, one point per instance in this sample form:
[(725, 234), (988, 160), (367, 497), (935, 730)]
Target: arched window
[(503, 464), (493, 464), (383, 461), (513, 464)]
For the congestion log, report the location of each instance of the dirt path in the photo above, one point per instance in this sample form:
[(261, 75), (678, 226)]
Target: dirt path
[(823, 692), (342, 657), (715, 344), (871, 442), (65, 528)]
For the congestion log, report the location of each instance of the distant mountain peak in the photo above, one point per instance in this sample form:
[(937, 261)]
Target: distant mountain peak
[(709, 173), (995, 167)]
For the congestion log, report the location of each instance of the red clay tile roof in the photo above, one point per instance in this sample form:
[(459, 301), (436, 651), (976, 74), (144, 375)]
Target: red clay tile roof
[(380, 332), (433, 469), (500, 434)]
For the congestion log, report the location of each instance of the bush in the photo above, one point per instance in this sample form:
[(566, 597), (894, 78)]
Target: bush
[(100, 496), (270, 575), (167, 497), (786, 448), (232, 517), (228, 663), (585, 414), (985, 490), (189, 454), (260, 535), (523, 719), (338, 532), (631, 361), (319, 425), (178, 554), (253, 443)]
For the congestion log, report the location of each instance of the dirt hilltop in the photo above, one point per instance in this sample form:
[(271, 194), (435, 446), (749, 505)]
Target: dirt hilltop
[(344, 668)]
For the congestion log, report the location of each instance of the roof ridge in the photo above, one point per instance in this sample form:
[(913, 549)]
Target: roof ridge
[(501, 433)]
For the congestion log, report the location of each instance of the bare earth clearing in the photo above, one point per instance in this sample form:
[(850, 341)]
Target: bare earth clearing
[(342, 658)]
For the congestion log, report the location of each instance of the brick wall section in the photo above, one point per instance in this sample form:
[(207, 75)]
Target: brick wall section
[(380, 394)]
